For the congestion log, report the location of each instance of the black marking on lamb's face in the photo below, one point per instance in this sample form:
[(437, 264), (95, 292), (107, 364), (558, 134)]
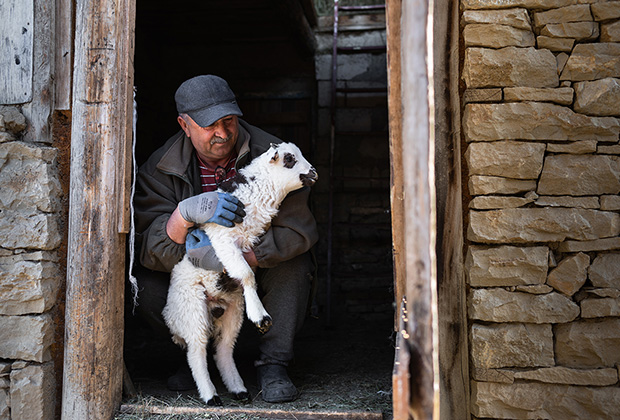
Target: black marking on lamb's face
[(289, 160), (227, 283), (217, 311), (310, 178), (233, 183)]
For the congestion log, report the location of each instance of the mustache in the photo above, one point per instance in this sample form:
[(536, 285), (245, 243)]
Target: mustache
[(220, 140)]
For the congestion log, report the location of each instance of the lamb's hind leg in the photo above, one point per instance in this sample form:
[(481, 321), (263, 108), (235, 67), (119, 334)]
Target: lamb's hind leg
[(197, 360)]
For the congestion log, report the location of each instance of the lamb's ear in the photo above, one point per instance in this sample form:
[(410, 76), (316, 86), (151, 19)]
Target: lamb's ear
[(274, 145), (275, 157)]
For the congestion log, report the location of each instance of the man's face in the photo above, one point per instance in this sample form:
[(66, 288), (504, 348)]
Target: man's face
[(215, 142)]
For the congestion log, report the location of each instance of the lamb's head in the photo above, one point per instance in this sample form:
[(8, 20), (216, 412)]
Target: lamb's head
[(287, 164)]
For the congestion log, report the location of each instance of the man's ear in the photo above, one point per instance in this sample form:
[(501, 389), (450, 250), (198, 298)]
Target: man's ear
[(275, 157), (183, 125)]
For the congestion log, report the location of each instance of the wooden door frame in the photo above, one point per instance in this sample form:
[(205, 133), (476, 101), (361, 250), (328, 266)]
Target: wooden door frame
[(102, 116)]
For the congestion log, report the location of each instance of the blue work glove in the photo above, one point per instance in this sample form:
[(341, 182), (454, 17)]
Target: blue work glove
[(200, 252), (212, 207)]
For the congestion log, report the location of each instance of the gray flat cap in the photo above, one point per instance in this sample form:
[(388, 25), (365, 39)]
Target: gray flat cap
[(206, 99)]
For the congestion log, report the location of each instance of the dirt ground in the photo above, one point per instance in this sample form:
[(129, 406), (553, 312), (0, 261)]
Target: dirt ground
[(344, 368)]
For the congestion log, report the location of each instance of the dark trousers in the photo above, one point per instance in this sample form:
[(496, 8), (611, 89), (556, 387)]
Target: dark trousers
[(285, 291)]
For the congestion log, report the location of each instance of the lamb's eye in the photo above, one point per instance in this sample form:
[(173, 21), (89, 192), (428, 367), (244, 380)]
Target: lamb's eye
[(289, 160)]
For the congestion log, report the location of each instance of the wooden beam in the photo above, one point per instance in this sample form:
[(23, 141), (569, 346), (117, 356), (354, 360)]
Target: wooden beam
[(64, 54), (93, 363)]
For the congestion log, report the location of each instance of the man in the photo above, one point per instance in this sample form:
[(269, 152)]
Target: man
[(175, 191)]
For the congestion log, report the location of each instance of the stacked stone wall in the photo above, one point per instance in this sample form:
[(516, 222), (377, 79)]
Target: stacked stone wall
[(541, 121), (30, 274)]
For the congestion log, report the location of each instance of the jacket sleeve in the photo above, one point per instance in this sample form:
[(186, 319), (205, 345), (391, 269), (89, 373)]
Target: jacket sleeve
[(293, 231), (155, 201)]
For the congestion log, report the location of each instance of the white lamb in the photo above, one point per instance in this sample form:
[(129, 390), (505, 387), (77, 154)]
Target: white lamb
[(206, 304)]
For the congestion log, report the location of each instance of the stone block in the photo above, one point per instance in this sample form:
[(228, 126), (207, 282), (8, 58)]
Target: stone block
[(577, 202), (506, 265), (580, 175), (562, 96), (600, 97), (561, 59), (555, 44), (610, 32), (499, 305), (29, 231), (27, 286), (517, 17), (605, 270), (570, 274), (511, 345), (606, 244), (606, 10), (610, 202), (608, 150), (14, 120), (29, 179), (543, 401), (588, 343), (535, 121), (497, 36), (498, 202), (537, 289), (575, 148), (512, 159), (482, 95), (599, 308), (575, 13), (502, 376), (481, 185), (33, 390), (525, 225), (503, 4), (568, 376), (26, 337), (592, 62), (510, 66), (579, 31)]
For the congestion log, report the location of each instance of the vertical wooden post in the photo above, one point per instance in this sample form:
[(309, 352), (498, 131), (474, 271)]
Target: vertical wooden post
[(103, 75), (416, 231)]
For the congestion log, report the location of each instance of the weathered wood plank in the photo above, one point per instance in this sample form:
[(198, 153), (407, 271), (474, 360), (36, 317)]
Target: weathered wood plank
[(64, 54), (93, 364), (17, 37)]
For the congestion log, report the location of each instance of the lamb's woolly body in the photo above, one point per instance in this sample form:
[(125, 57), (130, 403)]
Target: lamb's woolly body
[(188, 311)]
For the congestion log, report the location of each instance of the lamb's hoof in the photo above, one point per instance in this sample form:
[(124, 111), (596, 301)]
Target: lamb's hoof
[(264, 325), (216, 401), (242, 396)]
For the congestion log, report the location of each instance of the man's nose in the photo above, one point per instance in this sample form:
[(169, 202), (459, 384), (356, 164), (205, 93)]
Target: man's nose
[(220, 130)]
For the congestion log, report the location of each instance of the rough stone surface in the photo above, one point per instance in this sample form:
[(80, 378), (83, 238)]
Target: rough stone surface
[(575, 148), (543, 401), (511, 345), (503, 376), (592, 62), (512, 159), (606, 10), (26, 337), (537, 289), (518, 17), (580, 175), (562, 96), (498, 202), (510, 66), (482, 95), (610, 32), (555, 44), (14, 121), (530, 4), (588, 344), (598, 308), (600, 97), (481, 185), (610, 202), (499, 305), (27, 286), (497, 36), (606, 244), (575, 13), (534, 121), (38, 231), (580, 31), (609, 150), (561, 59), (506, 266), (33, 392), (605, 270), (541, 225), (570, 274), (577, 202), (568, 376)]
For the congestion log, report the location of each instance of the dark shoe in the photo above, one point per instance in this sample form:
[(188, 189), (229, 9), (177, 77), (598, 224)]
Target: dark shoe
[(275, 384), (182, 380)]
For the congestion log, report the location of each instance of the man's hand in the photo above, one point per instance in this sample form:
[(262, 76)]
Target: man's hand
[(212, 207), (200, 252)]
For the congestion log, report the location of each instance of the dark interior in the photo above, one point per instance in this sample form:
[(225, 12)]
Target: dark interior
[(263, 49)]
